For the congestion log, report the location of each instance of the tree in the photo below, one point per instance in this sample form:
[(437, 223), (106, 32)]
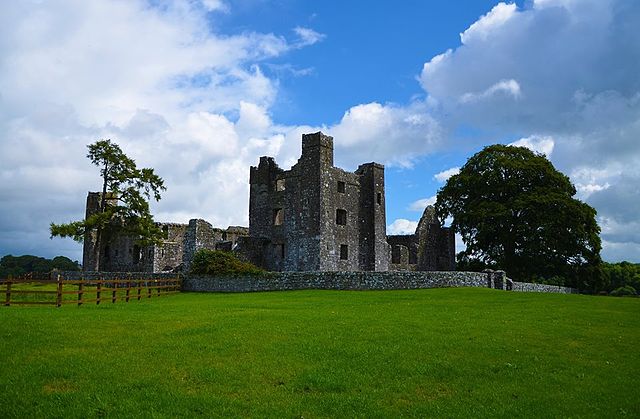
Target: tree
[(124, 206), (516, 212)]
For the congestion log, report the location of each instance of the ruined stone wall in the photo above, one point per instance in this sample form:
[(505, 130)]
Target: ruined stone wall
[(358, 280), (315, 216), (530, 287), (374, 250), (168, 255)]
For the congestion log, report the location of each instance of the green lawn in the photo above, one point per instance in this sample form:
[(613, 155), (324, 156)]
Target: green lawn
[(441, 352)]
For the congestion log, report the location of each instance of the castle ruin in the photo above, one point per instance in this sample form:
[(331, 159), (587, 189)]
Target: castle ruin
[(313, 217)]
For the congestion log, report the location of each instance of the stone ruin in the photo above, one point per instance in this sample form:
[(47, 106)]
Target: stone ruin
[(313, 217)]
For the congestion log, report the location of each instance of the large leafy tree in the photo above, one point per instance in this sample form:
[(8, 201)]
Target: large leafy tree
[(516, 212), (124, 201)]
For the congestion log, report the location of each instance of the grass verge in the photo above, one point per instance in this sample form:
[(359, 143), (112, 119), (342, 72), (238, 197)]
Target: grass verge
[(440, 352)]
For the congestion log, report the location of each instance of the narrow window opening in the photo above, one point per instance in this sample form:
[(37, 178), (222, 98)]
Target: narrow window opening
[(341, 217), (280, 185), (344, 252), (379, 198), (341, 187), (224, 235), (395, 254), (278, 216)]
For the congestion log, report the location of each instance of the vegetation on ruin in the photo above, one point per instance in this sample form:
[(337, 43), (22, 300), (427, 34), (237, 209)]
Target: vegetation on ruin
[(16, 266), (124, 204), (516, 212), (424, 353), (218, 262)]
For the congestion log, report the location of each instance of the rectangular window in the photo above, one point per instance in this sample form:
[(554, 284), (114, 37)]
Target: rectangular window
[(395, 254), (341, 187), (280, 185), (278, 216), (341, 217), (344, 252), (379, 198)]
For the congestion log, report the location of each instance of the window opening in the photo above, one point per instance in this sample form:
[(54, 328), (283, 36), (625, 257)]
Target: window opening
[(344, 252), (136, 254), (280, 185), (341, 217), (341, 187), (278, 216), (379, 198)]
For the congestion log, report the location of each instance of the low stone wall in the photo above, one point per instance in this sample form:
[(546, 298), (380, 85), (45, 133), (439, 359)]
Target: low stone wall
[(530, 287), (281, 281), (73, 275)]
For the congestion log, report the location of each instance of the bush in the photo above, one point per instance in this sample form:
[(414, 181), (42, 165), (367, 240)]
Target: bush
[(217, 262), (622, 291)]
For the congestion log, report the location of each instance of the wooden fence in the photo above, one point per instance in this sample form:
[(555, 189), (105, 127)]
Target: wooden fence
[(57, 291)]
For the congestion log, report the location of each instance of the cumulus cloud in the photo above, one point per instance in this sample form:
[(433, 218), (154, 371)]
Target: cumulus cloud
[(402, 226), (421, 204), (158, 82), (543, 145), (561, 75), (446, 174)]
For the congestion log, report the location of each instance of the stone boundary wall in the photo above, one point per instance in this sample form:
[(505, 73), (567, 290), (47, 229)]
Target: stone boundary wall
[(281, 281), (530, 287), (73, 275)]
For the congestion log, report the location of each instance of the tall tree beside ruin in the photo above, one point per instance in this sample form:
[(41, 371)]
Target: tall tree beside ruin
[(516, 212), (124, 203)]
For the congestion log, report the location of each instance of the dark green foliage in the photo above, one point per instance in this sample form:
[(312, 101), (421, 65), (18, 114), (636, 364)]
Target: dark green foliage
[(19, 265), (124, 206), (217, 262), (516, 212), (623, 291), (617, 275)]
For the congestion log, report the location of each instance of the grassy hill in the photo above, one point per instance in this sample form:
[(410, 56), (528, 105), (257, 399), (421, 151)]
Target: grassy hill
[(440, 352)]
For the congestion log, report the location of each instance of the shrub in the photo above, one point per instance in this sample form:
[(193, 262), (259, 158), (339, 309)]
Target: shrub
[(217, 262), (622, 291)]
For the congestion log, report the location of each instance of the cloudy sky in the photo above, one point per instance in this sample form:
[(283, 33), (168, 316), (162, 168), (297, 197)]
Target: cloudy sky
[(199, 90)]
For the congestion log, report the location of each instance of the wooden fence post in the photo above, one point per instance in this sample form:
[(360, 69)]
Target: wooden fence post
[(128, 290), (98, 289), (59, 294), (80, 292), (139, 284), (7, 301), (115, 291)]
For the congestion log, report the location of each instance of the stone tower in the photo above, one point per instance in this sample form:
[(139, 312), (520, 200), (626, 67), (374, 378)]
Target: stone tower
[(317, 216)]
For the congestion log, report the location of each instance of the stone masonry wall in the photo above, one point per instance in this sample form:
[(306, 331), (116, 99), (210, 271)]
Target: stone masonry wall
[(530, 287), (281, 281)]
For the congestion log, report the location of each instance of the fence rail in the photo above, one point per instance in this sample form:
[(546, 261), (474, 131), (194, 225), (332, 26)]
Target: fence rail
[(30, 290)]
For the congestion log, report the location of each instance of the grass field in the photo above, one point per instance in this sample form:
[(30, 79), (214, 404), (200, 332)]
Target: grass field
[(428, 353)]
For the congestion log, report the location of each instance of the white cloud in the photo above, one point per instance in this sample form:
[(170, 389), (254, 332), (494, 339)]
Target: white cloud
[(508, 87), (446, 174), (307, 36), (388, 134), (556, 58), (487, 24), (539, 144), (421, 204), (402, 226)]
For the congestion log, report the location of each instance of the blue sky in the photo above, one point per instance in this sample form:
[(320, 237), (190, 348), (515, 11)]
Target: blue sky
[(199, 90)]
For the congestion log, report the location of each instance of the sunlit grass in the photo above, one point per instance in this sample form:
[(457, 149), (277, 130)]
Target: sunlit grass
[(441, 352)]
